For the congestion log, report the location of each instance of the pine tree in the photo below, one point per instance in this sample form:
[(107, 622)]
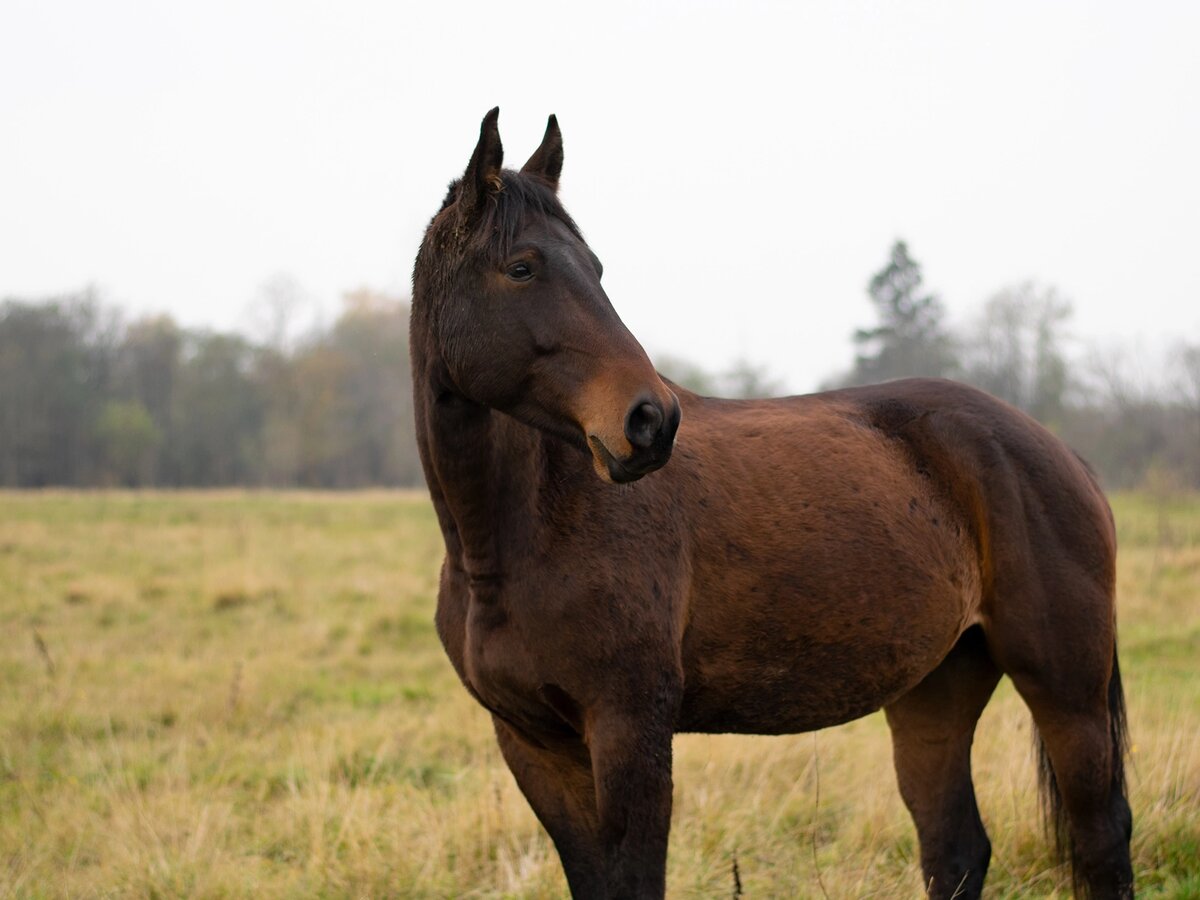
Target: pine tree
[(910, 338)]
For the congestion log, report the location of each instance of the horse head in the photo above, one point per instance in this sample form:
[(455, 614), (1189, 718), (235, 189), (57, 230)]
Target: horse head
[(518, 316)]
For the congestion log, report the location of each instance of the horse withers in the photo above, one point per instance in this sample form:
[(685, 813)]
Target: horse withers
[(768, 567)]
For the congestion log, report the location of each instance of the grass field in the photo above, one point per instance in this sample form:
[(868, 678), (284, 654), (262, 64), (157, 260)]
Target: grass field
[(242, 694)]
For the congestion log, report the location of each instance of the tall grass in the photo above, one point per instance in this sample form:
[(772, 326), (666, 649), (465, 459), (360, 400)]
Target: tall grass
[(241, 694)]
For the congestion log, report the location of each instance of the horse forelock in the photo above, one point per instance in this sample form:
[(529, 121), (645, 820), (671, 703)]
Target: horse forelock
[(452, 240)]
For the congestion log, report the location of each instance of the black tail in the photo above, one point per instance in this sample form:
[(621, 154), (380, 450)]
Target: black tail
[(1054, 815)]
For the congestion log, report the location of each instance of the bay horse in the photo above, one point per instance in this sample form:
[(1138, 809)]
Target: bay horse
[(800, 562)]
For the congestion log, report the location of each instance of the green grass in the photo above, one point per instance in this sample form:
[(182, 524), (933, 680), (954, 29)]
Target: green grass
[(242, 694)]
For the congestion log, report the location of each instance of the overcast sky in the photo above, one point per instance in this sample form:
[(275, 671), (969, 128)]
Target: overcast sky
[(741, 169)]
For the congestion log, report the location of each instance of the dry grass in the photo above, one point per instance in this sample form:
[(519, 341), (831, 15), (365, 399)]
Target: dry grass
[(242, 694)]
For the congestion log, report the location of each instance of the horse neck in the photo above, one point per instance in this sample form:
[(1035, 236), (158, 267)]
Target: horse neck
[(484, 471)]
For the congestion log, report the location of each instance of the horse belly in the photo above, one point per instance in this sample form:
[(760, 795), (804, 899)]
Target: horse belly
[(784, 686), (827, 629)]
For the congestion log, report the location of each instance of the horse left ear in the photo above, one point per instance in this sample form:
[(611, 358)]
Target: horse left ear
[(546, 162)]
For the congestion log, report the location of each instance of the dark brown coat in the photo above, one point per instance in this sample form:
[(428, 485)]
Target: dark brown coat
[(625, 559)]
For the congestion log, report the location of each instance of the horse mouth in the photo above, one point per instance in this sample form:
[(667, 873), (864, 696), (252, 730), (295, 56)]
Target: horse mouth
[(612, 469)]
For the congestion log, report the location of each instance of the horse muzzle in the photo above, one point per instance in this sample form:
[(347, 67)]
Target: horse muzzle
[(650, 426)]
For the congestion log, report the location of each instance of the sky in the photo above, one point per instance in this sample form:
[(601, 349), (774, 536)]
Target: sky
[(740, 168)]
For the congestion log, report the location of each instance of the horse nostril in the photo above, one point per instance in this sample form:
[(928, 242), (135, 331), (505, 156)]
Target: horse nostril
[(642, 424)]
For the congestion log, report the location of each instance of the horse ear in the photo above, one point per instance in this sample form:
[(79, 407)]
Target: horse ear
[(483, 171), (546, 162)]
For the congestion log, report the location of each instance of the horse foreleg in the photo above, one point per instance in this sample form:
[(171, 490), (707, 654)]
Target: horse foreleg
[(933, 726), (558, 784), (631, 762)]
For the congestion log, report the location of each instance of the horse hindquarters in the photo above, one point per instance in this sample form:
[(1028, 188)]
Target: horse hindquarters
[(1047, 551)]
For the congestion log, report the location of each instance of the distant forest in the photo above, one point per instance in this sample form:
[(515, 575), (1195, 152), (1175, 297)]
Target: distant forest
[(90, 399)]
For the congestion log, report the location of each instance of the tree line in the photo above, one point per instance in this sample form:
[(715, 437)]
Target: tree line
[(87, 399), (1135, 430), (90, 399)]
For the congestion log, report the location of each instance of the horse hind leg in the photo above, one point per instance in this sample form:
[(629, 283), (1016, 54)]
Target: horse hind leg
[(1081, 749), (933, 726), (1052, 631)]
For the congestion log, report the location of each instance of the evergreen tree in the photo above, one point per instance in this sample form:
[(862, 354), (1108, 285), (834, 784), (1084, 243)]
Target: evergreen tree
[(910, 338)]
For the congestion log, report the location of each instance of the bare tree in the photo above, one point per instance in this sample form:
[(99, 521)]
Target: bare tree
[(275, 312), (1015, 349), (1187, 387)]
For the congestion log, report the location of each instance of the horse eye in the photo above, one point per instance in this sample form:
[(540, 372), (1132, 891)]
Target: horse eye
[(520, 271)]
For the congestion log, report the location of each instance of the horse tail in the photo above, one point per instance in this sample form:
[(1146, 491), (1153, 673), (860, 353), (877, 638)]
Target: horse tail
[(1053, 812)]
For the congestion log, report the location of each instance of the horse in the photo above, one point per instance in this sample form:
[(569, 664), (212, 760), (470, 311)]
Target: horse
[(626, 560)]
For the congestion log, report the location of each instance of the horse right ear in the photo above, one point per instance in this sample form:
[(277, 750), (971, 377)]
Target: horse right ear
[(547, 160), (483, 171)]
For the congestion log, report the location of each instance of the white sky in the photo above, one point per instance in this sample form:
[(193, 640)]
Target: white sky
[(741, 169)]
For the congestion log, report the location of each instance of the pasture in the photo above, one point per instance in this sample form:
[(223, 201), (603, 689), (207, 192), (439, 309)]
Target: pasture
[(242, 694)]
